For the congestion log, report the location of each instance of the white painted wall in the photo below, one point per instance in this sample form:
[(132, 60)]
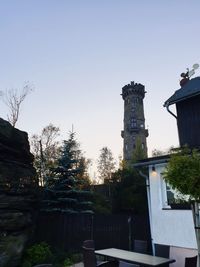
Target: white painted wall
[(180, 254), (169, 227)]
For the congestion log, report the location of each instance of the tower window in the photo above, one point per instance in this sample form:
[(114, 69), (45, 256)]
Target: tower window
[(142, 125), (142, 145), (133, 141), (133, 123)]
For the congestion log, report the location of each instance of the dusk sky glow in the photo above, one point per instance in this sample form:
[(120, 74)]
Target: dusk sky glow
[(78, 54)]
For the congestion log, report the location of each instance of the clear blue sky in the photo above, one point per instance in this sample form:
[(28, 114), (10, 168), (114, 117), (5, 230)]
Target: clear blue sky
[(80, 53)]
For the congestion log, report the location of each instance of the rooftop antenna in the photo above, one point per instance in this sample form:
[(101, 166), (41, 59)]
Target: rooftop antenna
[(186, 76), (192, 71)]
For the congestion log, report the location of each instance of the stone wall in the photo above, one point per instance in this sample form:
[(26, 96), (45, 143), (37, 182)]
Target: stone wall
[(18, 184)]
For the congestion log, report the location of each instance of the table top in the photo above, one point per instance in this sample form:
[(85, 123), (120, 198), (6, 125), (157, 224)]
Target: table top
[(134, 257)]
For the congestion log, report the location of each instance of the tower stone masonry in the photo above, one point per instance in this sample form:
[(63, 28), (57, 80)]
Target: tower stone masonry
[(134, 120)]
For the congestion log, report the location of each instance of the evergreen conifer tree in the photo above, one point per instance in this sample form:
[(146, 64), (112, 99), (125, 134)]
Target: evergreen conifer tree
[(65, 194)]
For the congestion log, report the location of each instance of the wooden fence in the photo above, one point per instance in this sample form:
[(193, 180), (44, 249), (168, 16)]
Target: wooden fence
[(67, 232)]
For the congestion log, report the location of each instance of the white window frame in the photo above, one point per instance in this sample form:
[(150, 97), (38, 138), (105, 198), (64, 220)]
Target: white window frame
[(165, 204)]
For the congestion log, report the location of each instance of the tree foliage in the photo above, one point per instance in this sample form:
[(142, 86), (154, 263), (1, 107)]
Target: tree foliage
[(74, 162), (106, 165), (157, 152), (130, 188), (183, 172), (130, 192), (101, 204), (65, 194), (139, 151), (127, 188), (46, 150)]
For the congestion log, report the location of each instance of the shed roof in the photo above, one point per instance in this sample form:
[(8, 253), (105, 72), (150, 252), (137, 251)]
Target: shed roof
[(190, 89)]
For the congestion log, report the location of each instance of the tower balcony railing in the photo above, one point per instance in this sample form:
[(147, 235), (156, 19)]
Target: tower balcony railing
[(137, 129)]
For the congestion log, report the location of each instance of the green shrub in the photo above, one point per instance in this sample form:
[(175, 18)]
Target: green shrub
[(183, 172), (76, 257), (26, 263), (38, 254), (58, 257), (67, 262)]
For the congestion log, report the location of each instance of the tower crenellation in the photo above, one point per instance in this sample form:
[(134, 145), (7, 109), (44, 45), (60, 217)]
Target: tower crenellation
[(133, 88), (134, 120)]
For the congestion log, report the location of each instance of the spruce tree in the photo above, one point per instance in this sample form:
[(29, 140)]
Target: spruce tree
[(65, 194)]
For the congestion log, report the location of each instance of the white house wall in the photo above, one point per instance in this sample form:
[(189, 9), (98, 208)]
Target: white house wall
[(169, 227)]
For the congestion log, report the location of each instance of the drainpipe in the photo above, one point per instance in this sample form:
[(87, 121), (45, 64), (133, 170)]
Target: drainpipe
[(167, 107), (149, 206)]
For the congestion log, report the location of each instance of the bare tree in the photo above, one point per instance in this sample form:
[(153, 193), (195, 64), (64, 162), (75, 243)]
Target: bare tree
[(13, 99)]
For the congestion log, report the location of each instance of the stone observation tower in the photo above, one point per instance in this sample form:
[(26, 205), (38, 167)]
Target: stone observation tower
[(134, 122)]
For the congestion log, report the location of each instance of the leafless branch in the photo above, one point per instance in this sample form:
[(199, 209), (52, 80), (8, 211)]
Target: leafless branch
[(13, 99)]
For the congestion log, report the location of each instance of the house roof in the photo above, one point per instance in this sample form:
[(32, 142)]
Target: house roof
[(190, 89), (152, 161)]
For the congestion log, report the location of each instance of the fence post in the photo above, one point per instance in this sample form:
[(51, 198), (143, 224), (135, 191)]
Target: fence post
[(129, 232), (92, 227)]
